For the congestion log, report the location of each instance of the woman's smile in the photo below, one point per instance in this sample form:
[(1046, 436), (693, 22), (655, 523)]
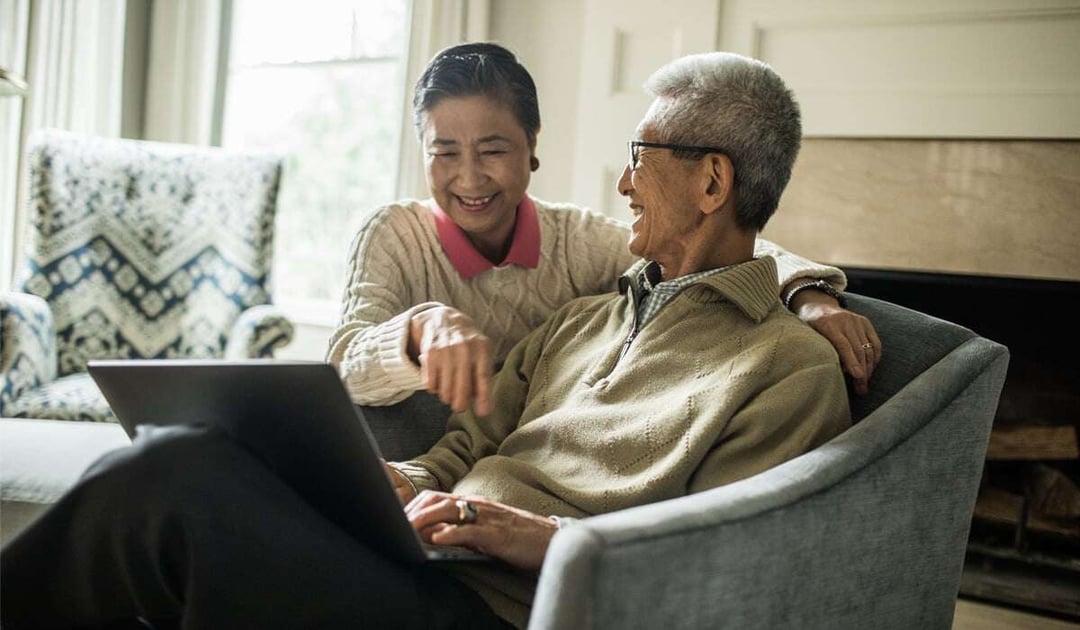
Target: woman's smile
[(475, 204)]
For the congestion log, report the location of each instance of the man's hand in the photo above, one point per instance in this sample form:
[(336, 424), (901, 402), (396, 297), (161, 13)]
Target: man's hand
[(454, 358), (851, 334), (405, 490), (517, 537)]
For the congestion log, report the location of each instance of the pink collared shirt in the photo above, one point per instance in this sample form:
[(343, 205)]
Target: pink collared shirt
[(468, 261)]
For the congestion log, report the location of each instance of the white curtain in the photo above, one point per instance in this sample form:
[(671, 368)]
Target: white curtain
[(76, 65), (185, 41), (435, 24), (71, 53), (14, 29)]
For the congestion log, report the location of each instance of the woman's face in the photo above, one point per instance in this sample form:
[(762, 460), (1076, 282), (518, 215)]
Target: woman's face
[(477, 156)]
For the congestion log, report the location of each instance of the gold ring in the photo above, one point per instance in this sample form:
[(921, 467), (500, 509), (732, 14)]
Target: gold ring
[(466, 512), (867, 346)]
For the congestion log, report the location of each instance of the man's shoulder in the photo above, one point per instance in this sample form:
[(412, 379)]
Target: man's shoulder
[(797, 345)]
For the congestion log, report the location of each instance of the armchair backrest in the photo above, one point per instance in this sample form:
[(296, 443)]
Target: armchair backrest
[(146, 250), (912, 342), (867, 531)]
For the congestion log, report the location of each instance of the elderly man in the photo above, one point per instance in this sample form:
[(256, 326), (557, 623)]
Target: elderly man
[(692, 376)]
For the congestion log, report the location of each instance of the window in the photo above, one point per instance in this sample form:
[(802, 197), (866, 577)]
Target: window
[(321, 82)]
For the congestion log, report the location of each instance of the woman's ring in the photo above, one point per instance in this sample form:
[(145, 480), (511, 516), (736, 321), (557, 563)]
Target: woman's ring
[(867, 346), (466, 512)]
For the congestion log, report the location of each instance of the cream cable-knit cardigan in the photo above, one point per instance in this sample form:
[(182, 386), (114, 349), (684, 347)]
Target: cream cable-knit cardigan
[(397, 267)]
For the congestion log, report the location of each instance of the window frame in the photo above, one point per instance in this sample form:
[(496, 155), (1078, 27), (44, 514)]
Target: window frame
[(431, 25), (299, 309)]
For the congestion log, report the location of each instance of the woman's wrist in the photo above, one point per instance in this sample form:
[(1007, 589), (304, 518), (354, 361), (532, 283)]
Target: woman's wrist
[(799, 292)]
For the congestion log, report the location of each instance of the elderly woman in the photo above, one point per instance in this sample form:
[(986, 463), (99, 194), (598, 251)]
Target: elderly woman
[(440, 290), (186, 529)]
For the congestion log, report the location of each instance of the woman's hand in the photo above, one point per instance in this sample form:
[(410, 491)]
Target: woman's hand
[(515, 536), (851, 334), (454, 358)]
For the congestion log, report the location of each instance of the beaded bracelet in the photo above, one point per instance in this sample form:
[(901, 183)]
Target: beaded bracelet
[(818, 284)]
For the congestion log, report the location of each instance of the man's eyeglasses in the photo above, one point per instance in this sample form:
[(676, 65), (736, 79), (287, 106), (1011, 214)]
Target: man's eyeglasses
[(637, 144)]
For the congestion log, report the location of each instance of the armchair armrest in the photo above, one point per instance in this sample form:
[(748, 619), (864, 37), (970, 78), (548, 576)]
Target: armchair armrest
[(27, 345), (258, 332), (867, 530)]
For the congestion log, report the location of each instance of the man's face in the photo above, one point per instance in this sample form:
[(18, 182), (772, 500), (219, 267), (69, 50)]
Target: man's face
[(477, 158), (661, 194)]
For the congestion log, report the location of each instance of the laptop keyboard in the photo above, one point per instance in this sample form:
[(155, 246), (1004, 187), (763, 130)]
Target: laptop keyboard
[(449, 552)]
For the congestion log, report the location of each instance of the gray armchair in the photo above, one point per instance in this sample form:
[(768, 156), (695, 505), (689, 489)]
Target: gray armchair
[(136, 250), (867, 531)]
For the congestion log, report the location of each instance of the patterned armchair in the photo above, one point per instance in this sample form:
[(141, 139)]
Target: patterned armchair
[(136, 250)]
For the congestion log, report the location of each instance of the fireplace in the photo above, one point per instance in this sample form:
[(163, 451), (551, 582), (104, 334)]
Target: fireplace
[(1024, 547)]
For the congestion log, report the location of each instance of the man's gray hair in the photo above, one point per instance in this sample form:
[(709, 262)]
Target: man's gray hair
[(741, 106)]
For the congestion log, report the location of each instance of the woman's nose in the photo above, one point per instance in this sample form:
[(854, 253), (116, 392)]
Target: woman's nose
[(472, 171)]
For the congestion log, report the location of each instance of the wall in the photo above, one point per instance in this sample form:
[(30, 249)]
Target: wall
[(965, 206), (905, 107), (548, 38)]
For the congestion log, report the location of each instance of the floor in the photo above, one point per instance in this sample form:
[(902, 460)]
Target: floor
[(972, 615)]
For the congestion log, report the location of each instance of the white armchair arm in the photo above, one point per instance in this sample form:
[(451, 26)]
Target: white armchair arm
[(27, 345), (258, 332)]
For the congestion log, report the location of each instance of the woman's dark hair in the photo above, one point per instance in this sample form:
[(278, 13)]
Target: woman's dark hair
[(478, 69)]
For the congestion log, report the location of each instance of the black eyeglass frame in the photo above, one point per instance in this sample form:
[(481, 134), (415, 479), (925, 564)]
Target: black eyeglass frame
[(634, 144)]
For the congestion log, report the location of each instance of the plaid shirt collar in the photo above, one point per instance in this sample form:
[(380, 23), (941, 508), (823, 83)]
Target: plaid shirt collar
[(654, 292)]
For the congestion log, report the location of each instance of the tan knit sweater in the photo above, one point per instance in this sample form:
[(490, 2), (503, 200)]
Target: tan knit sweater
[(722, 384), (398, 267)]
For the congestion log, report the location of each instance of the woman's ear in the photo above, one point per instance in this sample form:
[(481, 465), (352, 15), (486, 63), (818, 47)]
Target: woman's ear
[(534, 162), (719, 175)]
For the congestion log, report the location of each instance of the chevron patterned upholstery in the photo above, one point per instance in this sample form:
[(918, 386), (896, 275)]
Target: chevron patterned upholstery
[(138, 250)]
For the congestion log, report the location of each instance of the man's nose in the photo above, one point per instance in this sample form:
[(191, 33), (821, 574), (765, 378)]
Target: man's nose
[(624, 184)]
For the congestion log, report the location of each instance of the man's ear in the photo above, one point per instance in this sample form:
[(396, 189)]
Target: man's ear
[(719, 176)]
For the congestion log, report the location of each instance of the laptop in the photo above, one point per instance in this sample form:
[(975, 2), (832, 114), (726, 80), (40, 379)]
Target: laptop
[(297, 418)]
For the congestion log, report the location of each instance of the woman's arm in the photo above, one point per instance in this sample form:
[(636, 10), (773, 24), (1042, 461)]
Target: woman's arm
[(852, 335), (369, 346), (469, 438)]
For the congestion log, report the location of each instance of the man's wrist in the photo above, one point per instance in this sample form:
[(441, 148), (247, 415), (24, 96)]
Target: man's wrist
[(419, 478), (395, 470)]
